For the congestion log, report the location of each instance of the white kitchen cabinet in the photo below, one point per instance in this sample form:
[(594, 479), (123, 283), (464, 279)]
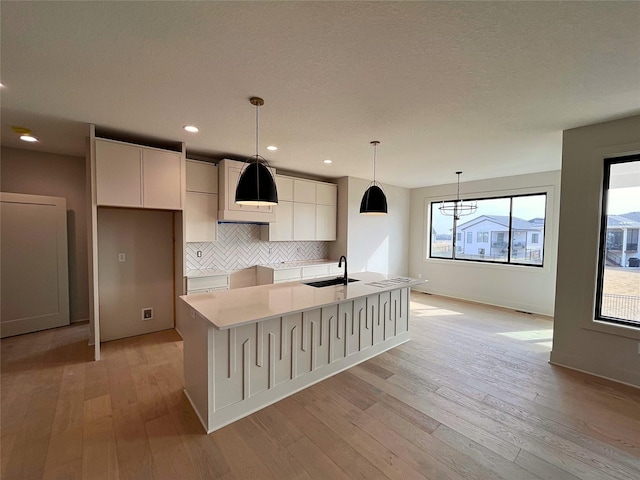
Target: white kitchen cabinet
[(118, 174), (202, 177), (326, 194), (266, 274), (282, 228), (326, 222), (228, 175), (304, 221), (297, 220), (129, 175), (285, 188), (161, 175), (201, 217), (304, 191)]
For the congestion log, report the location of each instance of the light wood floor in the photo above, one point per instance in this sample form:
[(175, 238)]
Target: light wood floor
[(471, 396)]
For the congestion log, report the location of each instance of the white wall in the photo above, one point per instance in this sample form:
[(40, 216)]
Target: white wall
[(50, 174), (579, 341), (522, 288), (376, 243)]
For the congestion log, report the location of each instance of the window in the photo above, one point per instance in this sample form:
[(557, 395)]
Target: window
[(506, 230), (618, 288)]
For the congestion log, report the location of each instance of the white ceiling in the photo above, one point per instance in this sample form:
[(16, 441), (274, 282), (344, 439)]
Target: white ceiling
[(482, 87)]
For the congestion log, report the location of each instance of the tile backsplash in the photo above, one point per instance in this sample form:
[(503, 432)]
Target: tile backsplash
[(239, 246)]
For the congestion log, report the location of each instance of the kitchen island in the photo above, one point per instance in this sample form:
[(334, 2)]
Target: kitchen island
[(245, 349)]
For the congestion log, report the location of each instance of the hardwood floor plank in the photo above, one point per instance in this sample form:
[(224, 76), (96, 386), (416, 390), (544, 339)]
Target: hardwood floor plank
[(170, 459), (275, 457), (315, 461), (472, 395), (384, 459), (335, 447)]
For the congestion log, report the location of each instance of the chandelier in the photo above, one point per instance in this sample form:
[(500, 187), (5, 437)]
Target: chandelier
[(458, 208)]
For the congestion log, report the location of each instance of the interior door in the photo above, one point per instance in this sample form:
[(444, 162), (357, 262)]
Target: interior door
[(34, 271)]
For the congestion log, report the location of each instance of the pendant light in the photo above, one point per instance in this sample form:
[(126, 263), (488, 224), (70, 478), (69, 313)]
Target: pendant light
[(459, 207), (256, 185), (374, 201)]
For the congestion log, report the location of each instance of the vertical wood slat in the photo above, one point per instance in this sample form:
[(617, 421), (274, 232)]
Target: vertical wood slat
[(330, 349), (246, 369), (346, 339), (304, 333), (359, 333), (232, 351), (313, 345), (283, 343), (259, 343), (294, 352), (272, 360)]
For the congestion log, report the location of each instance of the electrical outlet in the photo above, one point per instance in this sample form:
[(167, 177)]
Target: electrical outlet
[(122, 257), (199, 254), (193, 313), (147, 314)]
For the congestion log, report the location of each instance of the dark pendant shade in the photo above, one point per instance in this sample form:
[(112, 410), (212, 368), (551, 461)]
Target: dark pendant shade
[(374, 201), (256, 185)]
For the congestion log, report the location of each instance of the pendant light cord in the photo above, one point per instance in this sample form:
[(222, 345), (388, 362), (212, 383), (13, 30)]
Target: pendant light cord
[(257, 130), (375, 150)]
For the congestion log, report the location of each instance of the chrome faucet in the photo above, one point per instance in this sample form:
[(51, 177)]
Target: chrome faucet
[(346, 278)]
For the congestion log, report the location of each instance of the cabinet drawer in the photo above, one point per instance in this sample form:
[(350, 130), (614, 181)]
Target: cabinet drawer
[(205, 283), (287, 275), (315, 271)]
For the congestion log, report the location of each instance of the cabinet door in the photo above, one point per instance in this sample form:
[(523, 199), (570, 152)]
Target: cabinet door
[(118, 174), (282, 229), (162, 183), (233, 174), (285, 188), (304, 191), (201, 217), (326, 194), (304, 221), (325, 222), (202, 177)]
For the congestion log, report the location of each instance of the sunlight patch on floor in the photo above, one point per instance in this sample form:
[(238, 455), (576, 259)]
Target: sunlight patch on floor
[(528, 335)]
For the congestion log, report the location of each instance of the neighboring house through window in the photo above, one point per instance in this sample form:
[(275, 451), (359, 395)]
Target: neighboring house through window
[(502, 230), (618, 288)]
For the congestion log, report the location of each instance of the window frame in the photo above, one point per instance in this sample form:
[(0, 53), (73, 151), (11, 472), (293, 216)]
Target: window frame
[(602, 244), (508, 261)]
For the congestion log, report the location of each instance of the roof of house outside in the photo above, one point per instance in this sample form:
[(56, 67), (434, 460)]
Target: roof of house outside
[(622, 221), (517, 223)]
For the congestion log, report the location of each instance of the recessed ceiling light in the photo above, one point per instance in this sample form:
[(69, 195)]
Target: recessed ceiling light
[(191, 128), (328, 161), (25, 134), (273, 148), (1, 84)]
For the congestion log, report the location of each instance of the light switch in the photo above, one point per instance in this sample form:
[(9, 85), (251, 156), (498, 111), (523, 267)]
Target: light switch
[(121, 257)]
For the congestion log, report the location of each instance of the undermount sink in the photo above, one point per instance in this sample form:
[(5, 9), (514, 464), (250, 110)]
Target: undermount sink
[(329, 282)]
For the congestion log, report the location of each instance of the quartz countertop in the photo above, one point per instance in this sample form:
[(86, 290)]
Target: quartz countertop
[(232, 308)]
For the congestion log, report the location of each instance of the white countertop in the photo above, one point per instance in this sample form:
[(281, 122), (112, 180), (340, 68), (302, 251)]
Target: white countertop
[(231, 308), (299, 263)]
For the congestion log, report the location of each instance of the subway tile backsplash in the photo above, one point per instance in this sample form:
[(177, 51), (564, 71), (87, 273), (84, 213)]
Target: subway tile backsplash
[(239, 246)]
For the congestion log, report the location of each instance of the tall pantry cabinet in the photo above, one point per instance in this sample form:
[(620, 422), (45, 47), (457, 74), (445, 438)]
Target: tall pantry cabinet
[(136, 236)]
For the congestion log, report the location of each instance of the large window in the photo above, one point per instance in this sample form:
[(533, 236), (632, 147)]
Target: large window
[(502, 230), (618, 291)]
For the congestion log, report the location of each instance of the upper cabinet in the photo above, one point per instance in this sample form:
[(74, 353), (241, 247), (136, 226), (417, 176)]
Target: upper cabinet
[(228, 175), (130, 175), (202, 177), (310, 216), (201, 209)]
